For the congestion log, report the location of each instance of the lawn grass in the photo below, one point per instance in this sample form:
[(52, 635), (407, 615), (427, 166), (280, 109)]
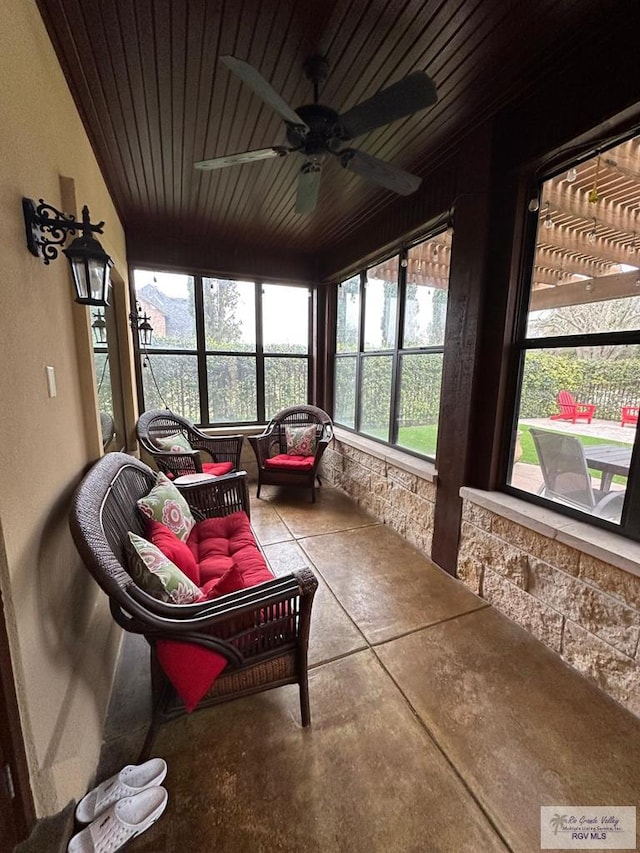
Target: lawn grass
[(420, 439), (530, 456), (423, 439)]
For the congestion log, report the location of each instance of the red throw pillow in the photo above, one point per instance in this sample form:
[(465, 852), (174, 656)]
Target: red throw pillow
[(173, 548), (217, 468), (191, 669)]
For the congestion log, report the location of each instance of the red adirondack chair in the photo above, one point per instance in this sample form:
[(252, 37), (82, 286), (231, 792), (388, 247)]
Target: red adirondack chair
[(572, 411), (629, 415)]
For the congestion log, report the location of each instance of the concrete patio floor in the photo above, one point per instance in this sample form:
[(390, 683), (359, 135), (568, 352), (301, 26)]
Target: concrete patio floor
[(607, 430), (437, 724)]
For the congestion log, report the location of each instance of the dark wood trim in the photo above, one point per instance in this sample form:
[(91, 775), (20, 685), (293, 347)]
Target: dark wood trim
[(224, 259), (495, 390), (330, 298), (468, 281), (22, 808)]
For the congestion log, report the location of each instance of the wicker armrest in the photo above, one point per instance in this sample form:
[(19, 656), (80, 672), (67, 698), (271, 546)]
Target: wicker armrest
[(253, 622), (174, 618), (217, 496), (265, 444), (221, 448), (177, 463)]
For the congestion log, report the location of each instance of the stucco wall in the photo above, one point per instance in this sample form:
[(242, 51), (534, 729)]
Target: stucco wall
[(62, 639)]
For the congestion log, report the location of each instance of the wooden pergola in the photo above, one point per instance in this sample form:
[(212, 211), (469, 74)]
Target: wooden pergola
[(588, 231)]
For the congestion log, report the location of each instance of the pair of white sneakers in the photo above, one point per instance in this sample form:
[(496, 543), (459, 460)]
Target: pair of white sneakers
[(121, 807)]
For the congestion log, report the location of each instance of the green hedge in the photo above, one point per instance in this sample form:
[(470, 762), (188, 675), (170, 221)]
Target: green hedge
[(607, 383)]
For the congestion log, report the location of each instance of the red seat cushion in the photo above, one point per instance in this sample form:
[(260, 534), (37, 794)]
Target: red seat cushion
[(218, 544), (217, 468), (226, 557), (231, 581), (284, 460)]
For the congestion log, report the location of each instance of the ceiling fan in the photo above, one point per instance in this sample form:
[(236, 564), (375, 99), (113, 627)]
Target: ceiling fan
[(314, 130)]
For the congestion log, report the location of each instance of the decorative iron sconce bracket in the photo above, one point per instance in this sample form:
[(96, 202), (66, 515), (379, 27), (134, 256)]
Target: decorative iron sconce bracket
[(47, 229), (56, 224)]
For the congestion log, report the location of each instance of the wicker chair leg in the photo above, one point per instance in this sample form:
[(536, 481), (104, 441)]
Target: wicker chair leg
[(259, 487), (305, 710), (159, 702)]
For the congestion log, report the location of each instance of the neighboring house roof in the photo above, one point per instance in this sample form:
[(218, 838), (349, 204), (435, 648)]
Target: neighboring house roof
[(178, 313)]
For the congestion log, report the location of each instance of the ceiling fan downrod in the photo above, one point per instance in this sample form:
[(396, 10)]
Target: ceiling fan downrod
[(316, 69)]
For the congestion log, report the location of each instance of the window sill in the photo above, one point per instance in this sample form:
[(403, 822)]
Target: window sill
[(391, 455), (601, 544)]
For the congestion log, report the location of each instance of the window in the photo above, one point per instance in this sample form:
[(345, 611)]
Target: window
[(223, 351), (389, 345), (573, 443)]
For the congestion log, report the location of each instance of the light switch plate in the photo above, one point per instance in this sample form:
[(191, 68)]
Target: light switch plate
[(51, 381)]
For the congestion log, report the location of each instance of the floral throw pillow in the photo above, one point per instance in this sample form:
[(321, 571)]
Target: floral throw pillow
[(174, 443), (157, 575), (301, 441), (165, 504)]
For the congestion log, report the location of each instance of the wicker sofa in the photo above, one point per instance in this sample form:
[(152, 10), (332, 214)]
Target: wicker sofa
[(261, 631)]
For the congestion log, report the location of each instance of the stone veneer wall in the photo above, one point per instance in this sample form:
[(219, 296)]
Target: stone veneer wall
[(583, 608), (400, 498)]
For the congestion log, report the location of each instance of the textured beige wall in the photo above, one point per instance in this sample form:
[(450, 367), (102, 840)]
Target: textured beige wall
[(63, 642)]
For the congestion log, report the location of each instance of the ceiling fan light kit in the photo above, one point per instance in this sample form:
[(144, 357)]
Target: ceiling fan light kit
[(315, 130)]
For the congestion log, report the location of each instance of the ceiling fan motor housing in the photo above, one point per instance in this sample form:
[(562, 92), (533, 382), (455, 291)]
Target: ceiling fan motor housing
[(324, 133)]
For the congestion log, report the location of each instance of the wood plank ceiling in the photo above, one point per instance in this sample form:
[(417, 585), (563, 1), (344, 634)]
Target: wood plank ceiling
[(154, 98)]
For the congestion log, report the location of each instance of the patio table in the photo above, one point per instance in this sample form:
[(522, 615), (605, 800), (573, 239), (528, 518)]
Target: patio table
[(611, 459)]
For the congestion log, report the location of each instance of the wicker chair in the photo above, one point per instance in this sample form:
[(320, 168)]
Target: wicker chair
[(162, 424), (108, 429), (273, 443), (263, 631)]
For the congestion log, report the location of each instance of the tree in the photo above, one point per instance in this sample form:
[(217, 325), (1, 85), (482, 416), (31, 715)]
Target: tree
[(612, 315), (222, 320)]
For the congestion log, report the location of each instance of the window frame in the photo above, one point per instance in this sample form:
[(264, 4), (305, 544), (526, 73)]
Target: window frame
[(201, 352), (396, 353), (521, 345)]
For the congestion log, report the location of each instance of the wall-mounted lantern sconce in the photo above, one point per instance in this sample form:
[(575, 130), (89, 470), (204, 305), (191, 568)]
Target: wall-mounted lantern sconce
[(90, 264), (141, 322), (99, 327)]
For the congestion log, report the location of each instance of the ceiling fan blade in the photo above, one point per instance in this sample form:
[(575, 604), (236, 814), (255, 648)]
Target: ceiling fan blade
[(379, 172), (403, 98), (308, 187), (243, 157), (254, 80)]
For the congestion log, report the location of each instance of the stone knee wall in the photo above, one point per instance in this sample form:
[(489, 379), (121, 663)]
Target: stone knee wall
[(403, 500), (586, 610)]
